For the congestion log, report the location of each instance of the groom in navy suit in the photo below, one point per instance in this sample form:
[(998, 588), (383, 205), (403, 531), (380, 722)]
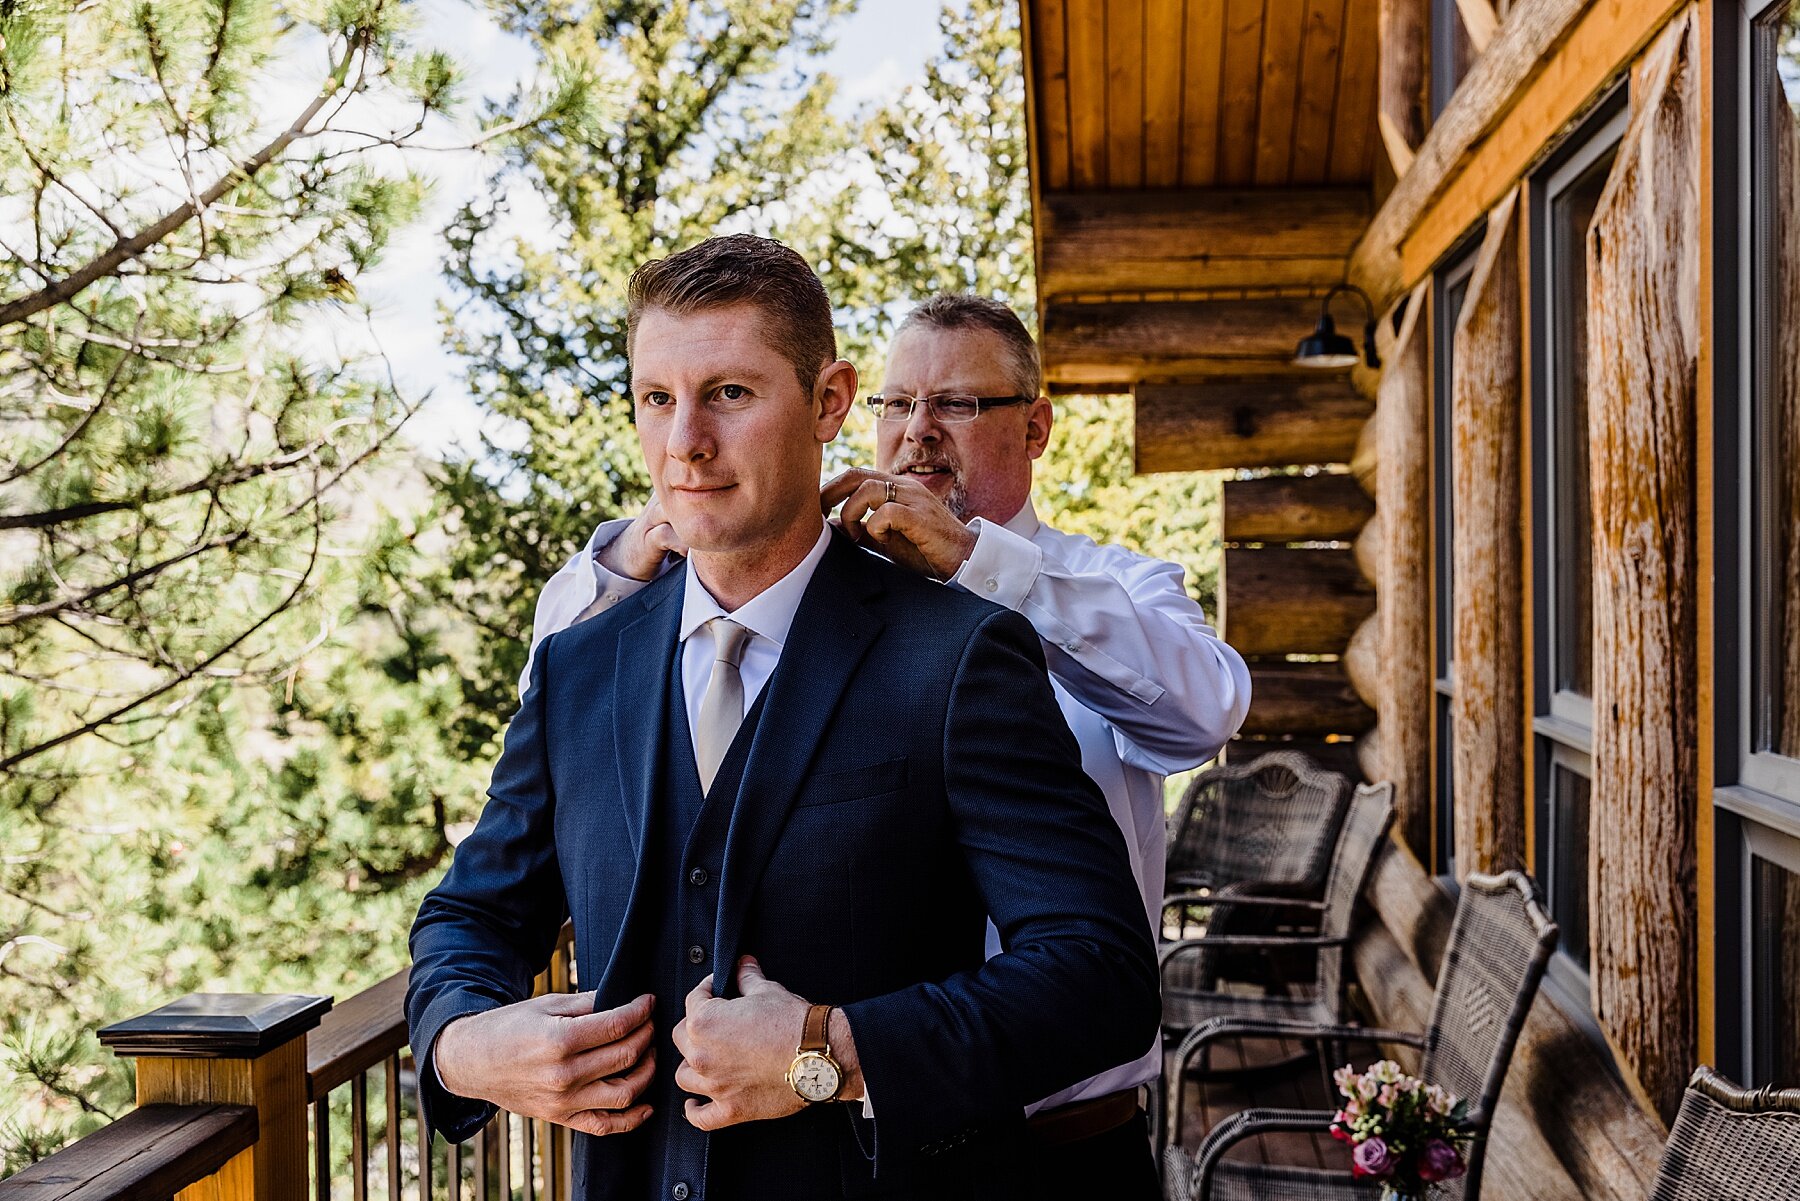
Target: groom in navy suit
[(780, 791)]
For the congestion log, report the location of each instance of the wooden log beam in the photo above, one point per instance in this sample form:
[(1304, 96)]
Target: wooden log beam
[(1326, 507), (1402, 105), (1404, 501), (1247, 421), (1480, 21), (1369, 550), (1643, 347), (1489, 636), (1286, 601), (1362, 658), (1098, 242), (1093, 345), (1521, 64), (1304, 699)]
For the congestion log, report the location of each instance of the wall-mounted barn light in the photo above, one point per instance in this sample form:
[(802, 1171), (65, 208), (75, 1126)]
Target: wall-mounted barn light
[(1325, 347)]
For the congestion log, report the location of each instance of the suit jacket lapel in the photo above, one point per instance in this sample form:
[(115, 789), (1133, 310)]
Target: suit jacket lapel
[(640, 695), (832, 631)]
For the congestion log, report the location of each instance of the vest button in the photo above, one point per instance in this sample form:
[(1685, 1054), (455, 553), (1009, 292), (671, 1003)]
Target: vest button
[(697, 877), (680, 1191), (696, 954)]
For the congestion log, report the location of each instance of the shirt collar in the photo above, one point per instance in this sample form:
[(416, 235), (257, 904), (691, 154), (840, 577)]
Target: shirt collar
[(770, 612), (1025, 522)]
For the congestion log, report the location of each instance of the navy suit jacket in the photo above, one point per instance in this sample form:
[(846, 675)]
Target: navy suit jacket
[(911, 775)]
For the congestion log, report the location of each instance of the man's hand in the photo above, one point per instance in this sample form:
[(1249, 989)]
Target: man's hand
[(553, 1057), (736, 1053), (638, 553), (915, 529)]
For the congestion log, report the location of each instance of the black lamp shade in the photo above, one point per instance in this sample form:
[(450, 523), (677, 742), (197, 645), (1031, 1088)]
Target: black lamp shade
[(1325, 347)]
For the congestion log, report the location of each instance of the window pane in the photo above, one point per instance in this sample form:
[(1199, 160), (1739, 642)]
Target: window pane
[(1775, 967), (1446, 806), (1568, 865), (1570, 215), (1775, 249)]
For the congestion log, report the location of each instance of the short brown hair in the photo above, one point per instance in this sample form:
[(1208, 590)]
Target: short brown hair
[(742, 269), (962, 310)]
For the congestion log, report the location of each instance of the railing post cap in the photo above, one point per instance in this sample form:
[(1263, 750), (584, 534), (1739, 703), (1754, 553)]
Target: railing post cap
[(217, 1026)]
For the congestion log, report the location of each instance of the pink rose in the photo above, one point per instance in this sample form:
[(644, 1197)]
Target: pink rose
[(1371, 1159), (1440, 1161)]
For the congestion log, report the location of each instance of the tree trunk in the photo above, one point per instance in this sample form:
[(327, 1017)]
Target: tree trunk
[(1643, 264)]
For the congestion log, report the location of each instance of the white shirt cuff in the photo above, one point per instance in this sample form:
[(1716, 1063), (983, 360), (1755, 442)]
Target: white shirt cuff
[(1002, 567), (609, 587)]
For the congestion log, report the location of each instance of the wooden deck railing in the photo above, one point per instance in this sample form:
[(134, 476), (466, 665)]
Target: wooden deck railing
[(269, 1099)]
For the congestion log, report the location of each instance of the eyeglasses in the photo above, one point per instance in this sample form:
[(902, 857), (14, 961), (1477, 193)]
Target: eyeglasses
[(951, 409)]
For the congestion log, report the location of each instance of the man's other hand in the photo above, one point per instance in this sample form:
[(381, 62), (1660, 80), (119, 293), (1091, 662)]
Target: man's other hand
[(553, 1057), (735, 1053), (638, 553), (915, 529)]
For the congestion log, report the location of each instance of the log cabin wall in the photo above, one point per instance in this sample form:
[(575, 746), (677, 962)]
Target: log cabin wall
[(1652, 786)]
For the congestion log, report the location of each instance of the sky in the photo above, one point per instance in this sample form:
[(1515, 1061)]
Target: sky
[(881, 48)]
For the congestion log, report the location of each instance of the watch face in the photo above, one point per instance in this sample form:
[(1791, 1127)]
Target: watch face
[(815, 1077)]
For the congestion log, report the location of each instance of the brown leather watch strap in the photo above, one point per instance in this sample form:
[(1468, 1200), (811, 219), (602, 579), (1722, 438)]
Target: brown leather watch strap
[(813, 1036)]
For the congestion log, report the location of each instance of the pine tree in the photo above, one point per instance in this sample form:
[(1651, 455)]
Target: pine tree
[(182, 802)]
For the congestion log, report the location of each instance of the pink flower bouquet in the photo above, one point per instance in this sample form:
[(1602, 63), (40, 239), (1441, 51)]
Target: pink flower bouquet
[(1403, 1133)]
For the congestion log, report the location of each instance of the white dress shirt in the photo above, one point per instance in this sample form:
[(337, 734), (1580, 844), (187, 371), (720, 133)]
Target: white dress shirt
[(768, 616), (1147, 687)]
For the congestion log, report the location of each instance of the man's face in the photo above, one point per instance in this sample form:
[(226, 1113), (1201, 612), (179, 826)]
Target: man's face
[(980, 468), (731, 439)]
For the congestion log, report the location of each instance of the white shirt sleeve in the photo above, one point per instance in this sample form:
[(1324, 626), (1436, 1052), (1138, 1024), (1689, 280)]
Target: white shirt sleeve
[(581, 588), (1125, 639)]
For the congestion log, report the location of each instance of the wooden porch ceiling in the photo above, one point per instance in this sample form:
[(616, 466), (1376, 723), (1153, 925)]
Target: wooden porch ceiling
[(1201, 170)]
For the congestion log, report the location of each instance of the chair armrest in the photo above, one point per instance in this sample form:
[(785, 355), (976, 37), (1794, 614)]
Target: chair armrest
[(1249, 1123), (1221, 897), (1213, 1029), (1216, 942)]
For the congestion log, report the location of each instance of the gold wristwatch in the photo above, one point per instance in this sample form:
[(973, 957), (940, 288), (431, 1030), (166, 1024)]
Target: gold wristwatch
[(814, 1075)]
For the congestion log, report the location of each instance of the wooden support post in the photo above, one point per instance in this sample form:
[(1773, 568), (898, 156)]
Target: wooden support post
[(1643, 348), (1403, 500), (234, 1049), (1489, 707)]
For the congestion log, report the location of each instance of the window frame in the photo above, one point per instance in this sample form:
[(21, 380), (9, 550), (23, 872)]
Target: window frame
[(1447, 32), (1756, 792), (1561, 721), (1455, 270)]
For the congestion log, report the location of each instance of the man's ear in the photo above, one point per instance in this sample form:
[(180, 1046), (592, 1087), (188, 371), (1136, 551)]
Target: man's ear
[(833, 394), (1038, 420)]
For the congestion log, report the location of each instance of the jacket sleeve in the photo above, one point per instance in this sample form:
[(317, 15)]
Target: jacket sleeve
[(490, 926), (1075, 990)]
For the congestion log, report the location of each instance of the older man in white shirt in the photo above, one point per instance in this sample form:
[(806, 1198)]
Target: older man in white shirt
[(1146, 685)]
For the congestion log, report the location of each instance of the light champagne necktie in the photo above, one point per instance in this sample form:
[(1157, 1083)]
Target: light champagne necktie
[(722, 708)]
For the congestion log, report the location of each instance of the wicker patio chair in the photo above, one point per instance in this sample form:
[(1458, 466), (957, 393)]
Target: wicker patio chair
[(1270, 820), (1189, 969), (1499, 945), (1731, 1143)]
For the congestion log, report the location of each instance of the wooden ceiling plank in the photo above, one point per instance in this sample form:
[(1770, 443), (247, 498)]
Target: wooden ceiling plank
[(1125, 93), (1353, 135), (1200, 99), (1086, 25), (1321, 46), (1085, 343), (1248, 420), (1278, 103), (1162, 93), (1239, 89), (1050, 88), (1102, 242)]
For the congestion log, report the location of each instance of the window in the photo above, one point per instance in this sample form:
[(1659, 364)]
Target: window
[(1448, 290), (1567, 192), (1452, 52), (1757, 814)]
